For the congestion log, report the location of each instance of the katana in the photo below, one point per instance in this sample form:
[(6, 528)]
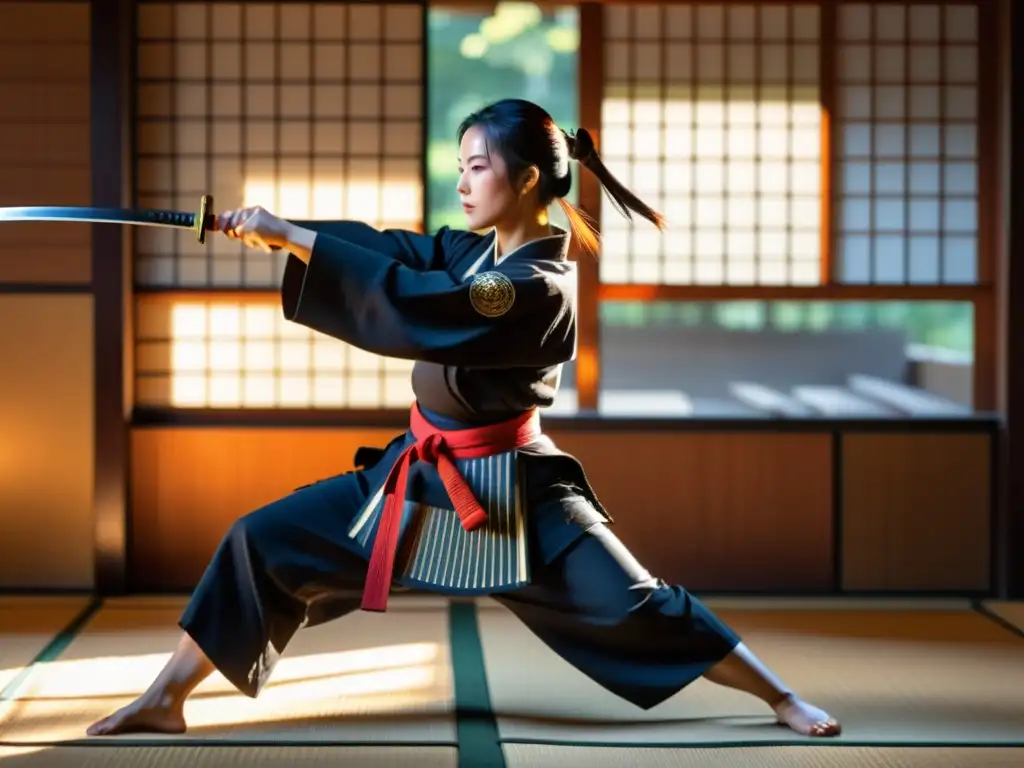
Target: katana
[(200, 222)]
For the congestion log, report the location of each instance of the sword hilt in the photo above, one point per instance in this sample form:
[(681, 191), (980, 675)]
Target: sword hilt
[(204, 220), (171, 218)]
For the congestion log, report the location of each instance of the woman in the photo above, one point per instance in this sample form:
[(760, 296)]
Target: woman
[(473, 499)]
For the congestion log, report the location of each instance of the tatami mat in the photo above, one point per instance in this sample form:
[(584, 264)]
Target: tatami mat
[(895, 676), (166, 756), (1012, 613), (914, 677), (516, 756), (538, 756), (369, 678), (27, 624)]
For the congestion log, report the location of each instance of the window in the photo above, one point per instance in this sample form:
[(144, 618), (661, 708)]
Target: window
[(907, 202), (792, 147), (518, 50), (712, 113), (244, 354), (312, 110), (821, 166)]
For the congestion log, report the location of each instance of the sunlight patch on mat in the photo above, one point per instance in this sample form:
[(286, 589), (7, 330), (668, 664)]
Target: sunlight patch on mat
[(367, 677), (890, 677), (168, 756)]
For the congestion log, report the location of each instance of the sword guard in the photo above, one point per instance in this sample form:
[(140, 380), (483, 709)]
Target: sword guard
[(204, 218)]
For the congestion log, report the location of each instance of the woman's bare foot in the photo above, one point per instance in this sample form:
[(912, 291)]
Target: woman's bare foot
[(805, 718), (161, 709), (141, 716), (743, 671)]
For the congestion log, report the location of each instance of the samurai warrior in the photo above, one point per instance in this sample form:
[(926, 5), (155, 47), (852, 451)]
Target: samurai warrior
[(474, 498)]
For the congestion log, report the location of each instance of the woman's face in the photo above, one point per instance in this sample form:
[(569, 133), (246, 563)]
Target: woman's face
[(484, 187)]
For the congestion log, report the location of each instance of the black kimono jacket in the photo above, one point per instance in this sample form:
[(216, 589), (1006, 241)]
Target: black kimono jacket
[(489, 340)]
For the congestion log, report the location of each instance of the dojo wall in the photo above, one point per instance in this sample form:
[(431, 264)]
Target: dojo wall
[(46, 395), (737, 510), (809, 509), (815, 508)]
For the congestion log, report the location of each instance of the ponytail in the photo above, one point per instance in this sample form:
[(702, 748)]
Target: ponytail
[(582, 150)]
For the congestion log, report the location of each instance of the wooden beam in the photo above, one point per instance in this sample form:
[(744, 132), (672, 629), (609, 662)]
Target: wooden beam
[(112, 30), (590, 80), (986, 311), (828, 53), (640, 292), (1010, 537), (651, 293)]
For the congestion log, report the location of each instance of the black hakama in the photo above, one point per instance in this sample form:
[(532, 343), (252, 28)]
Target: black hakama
[(489, 339)]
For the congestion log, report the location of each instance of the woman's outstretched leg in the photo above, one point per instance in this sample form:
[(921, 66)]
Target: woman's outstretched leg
[(641, 638), (161, 709), (260, 587), (743, 671)]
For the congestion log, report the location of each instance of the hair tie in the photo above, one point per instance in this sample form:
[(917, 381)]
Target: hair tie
[(581, 145)]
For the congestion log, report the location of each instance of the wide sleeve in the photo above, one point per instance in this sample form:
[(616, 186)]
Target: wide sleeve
[(413, 249), (519, 315)]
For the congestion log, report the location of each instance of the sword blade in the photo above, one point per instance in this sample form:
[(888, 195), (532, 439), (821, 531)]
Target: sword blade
[(99, 215), (200, 222)]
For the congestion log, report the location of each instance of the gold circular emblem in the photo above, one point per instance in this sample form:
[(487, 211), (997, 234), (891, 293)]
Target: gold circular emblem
[(492, 294)]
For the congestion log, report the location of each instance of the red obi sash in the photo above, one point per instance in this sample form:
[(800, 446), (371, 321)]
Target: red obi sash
[(439, 448)]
